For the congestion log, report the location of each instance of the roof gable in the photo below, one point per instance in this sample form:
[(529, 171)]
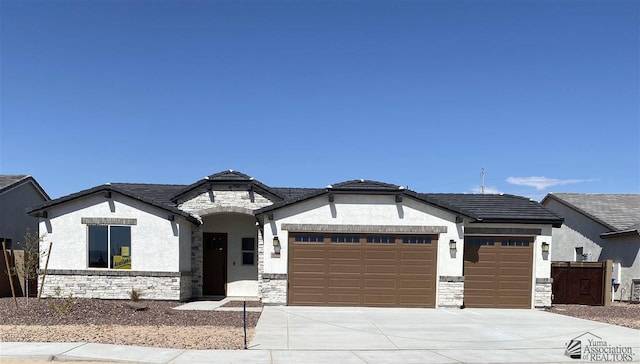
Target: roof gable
[(617, 212), (227, 177), (154, 195), (9, 182)]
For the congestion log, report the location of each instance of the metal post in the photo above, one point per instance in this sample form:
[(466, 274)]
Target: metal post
[(10, 273), (244, 318)]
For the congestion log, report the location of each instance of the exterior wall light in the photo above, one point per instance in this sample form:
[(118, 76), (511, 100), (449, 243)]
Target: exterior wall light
[(545, 247), (276, 245), (452, 244)]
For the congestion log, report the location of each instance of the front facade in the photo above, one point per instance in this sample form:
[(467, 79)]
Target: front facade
[(600, 227), (357, 243)]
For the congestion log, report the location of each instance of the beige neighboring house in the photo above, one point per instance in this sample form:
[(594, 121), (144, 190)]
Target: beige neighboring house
[(17, 193), (599, 227)]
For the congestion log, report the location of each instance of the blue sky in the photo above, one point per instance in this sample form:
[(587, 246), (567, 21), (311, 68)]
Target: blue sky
[(542, 94)]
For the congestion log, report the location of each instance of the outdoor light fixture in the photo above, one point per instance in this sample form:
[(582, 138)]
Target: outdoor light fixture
[(276, 245), (452, 244), (545, 247)]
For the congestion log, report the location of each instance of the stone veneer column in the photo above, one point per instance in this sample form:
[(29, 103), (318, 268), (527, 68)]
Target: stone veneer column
[(274, 288), (450, 291), (197, 259), (543, 291), (260, 260), (634, 295)]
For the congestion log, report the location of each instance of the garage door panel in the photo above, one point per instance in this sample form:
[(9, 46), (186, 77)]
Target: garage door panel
[(380, 283), (345, 268), (499, 276), (377, 268), (309, 268), (362, 274), (341, 253), (384, 255)]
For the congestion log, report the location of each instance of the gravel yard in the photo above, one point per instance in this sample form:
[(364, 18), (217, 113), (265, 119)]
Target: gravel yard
[(622, 314), (144, 323)]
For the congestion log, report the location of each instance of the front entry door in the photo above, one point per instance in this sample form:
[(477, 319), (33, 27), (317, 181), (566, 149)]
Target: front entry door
[(214, 280)]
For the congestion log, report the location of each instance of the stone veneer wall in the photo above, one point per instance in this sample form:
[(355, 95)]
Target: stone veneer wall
[(274, 289), (450, 291), (260, 261), (107, 284), (197, 258), (544, 289), (635, 290)]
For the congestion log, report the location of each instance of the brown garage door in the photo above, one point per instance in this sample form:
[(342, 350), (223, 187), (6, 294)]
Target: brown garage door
[(362, 270), (497, 272)]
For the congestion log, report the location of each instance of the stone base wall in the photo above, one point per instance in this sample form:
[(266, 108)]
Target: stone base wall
[(274, 289), (635, 290), (186, 287), (450, 291), (115, 284), (542, 297)]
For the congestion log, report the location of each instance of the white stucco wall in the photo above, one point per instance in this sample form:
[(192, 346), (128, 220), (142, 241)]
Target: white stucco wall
[(363, 210), (242, 280), (154, 239)]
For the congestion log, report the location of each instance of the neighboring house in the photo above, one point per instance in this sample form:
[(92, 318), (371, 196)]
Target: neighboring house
[(17, 193), (356, 243), (599, 227)]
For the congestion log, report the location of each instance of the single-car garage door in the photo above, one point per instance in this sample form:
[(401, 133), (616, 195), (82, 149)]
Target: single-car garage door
[(498, 271), (362, 270)]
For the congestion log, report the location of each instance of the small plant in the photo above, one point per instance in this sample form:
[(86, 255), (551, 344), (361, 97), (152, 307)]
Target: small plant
[(134, 295), (59, 304)]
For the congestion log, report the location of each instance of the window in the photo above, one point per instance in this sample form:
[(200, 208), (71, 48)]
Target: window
[(308, 238), (381, 239), (416, 239), (480, 241), (109, 246), (515, 242), (345, 239), (580, 256), (248, 251), (7, 243)]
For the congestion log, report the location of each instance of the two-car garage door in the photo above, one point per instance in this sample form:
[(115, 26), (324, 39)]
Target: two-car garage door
[(362, 270)]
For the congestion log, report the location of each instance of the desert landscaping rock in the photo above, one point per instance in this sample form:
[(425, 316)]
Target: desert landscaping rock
[(144, 323), (619, 313)]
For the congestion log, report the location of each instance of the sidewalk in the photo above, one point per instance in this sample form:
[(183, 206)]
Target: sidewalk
[(119, 353)]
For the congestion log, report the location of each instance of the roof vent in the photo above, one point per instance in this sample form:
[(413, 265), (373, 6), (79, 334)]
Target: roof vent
[(251, 178), (361, 180), (231, 170), (108, 184), (401, 188), (206, 177), (329, 186)]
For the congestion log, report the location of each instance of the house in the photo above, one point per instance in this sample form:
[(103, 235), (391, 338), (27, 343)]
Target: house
[(356, 243), (17, 193), (599, 227)]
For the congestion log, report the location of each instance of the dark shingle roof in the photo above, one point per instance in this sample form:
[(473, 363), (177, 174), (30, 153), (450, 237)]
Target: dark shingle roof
[(494, 208), (155, 195), (229, 176), (481, 208), (618, 212), (9, 181)]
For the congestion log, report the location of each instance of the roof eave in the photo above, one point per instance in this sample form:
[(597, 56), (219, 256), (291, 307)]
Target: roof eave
[(620, 234), (554, 222)]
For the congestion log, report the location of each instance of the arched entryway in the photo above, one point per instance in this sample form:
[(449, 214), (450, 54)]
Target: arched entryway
[(229, 254)]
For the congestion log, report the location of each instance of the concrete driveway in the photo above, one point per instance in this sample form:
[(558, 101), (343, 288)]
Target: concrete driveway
[(428, 335)]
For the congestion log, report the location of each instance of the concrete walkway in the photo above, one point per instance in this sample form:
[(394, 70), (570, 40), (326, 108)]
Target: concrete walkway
[(369, 335)]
